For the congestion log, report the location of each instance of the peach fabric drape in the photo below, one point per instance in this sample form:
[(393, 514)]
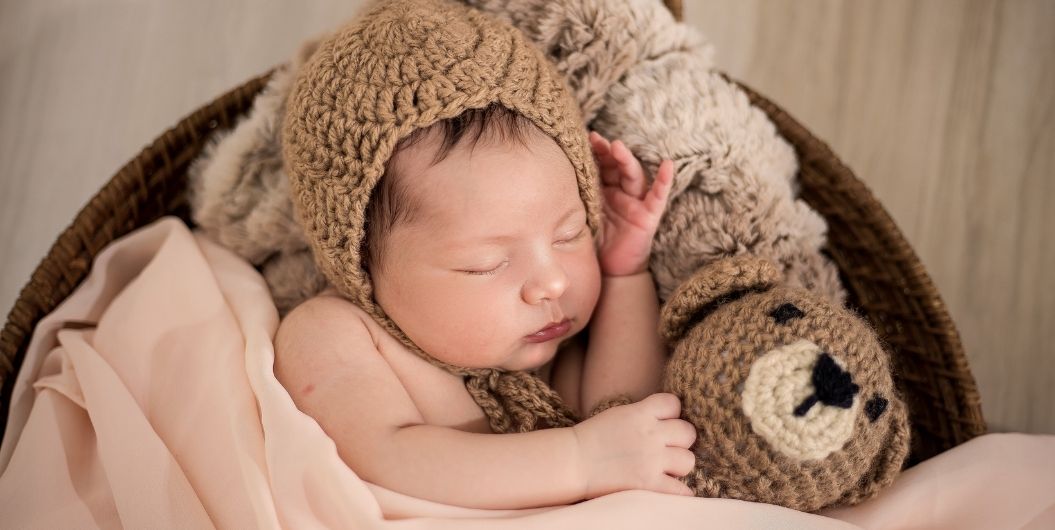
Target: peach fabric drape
[(147, 400)]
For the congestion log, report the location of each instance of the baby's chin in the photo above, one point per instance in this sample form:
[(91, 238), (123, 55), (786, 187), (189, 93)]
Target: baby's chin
[(531, 356), (526, 356)]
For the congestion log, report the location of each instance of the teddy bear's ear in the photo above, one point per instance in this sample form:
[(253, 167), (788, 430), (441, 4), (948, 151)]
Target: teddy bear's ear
[(306, 49), (711, 286)]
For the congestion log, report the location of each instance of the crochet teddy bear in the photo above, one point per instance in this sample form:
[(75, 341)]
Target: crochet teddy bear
[(791, 395)]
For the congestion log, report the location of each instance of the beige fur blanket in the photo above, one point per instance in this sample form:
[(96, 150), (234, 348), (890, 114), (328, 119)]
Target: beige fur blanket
[(639, 76), (148, 399)]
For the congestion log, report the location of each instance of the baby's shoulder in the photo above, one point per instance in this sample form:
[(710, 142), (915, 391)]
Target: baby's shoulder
[(321, 321), (337, 363), (328, 303), (328, 361)]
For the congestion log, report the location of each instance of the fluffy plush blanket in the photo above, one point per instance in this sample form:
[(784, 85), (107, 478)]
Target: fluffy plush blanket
[(147, 399), (639, 76)]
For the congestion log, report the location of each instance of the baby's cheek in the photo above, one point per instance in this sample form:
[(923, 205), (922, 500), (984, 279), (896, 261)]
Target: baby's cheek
[(588, 284)]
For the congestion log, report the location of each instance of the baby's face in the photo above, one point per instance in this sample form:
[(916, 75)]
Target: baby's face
[(471, 301)]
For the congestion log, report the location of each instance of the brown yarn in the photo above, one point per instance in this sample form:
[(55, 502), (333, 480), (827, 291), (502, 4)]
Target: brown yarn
[(619, 400), (728, 278), (519, 402), (400, 66), (736, 360)]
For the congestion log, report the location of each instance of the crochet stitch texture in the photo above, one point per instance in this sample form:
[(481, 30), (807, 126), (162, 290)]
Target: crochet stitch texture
[(792, 396)]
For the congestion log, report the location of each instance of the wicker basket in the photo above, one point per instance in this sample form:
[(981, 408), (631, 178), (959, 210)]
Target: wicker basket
[(884, 278)]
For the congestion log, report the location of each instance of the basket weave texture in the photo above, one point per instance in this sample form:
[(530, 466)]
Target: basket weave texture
[(885, 280)]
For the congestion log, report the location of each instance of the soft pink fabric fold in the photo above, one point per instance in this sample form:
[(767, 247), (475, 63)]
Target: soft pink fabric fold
[(147, 399)]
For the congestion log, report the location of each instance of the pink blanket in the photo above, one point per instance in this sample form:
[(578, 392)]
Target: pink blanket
[(147, 400)]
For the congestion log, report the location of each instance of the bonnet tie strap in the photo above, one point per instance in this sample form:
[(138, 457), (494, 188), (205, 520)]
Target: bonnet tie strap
[(518, 401)]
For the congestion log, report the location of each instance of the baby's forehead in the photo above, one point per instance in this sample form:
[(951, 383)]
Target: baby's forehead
[(481, 182)]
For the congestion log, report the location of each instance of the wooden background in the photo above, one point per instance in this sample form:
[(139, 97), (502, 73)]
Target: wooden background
[(943, 107)]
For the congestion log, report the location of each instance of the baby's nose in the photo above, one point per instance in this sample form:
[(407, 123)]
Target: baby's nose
[(548, 283)]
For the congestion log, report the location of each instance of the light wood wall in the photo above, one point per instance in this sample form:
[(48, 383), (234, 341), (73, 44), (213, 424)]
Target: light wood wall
[(944, 107)]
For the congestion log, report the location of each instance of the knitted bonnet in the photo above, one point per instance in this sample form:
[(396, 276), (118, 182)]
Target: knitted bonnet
[(403, 65)]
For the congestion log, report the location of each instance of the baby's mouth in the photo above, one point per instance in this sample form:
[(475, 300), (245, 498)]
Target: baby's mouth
[(550, 332)]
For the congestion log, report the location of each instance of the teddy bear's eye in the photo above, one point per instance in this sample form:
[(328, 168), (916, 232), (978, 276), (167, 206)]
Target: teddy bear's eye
[(786, 312), (875, 407)]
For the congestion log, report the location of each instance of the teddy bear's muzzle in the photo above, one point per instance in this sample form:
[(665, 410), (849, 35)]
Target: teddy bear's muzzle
[(803, 401)]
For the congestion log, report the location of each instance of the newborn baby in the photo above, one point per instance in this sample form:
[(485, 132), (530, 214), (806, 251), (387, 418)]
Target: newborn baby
[(478, 251)]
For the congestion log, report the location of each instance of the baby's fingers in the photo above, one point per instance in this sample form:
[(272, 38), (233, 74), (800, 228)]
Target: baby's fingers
[(608, 165), (600, 144), (656, 201), (679, 462), (662, 405), (619, 167), (679, 433), (633, 175)]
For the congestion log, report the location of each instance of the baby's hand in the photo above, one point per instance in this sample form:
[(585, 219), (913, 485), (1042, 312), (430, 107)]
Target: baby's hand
[(631, 210), (642, 445)]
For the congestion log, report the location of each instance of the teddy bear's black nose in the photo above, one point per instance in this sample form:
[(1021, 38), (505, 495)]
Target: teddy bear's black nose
[(831, 386)]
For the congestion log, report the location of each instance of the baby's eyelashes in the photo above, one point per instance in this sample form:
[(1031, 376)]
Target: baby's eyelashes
[(484, 273), (576, 237)]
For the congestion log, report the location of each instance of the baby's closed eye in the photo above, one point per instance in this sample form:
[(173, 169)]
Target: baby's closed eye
[(494, 269)]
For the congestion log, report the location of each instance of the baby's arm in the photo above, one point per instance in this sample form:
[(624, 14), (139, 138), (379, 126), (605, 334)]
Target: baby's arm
[(625, 354), (326, 359), (509, 471)]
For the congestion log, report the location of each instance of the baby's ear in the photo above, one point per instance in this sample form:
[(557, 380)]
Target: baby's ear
[(711, 286)]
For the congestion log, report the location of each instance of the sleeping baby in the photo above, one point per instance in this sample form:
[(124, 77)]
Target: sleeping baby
[(488, 290)]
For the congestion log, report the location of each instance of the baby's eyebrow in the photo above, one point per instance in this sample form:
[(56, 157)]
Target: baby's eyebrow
[(501, 238)]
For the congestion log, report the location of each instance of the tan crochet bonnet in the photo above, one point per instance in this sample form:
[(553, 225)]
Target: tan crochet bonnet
[(403, 65)]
